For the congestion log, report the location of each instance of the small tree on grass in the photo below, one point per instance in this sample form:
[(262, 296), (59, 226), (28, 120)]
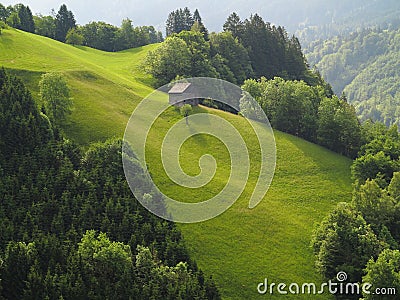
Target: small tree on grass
[(55, 95), (186, 110)]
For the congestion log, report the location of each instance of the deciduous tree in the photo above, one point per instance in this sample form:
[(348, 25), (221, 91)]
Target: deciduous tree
[(55, 95), (344, 242), (74, 37), (384, 272), (172, 58), (45, 26), (234, 54), (338, 127), (200, 54)]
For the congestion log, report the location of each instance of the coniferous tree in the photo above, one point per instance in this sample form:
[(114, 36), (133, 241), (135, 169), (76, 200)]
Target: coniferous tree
[(179, 20), (17, 263), (255, 38), (25, 18), (234, 25), (65, 20), (170, 24), (199, 24), (187, 19), (270, 50), (30, 23), (295, 61)]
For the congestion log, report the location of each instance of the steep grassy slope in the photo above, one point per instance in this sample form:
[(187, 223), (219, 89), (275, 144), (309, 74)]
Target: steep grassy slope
[(105, 86), (242, 246)]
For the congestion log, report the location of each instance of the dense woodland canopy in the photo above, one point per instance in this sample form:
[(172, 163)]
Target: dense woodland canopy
[(362, 237), (62, 27), (18, 16), (251, 48), (365, 66), (312, 113), (182, 19), (70, 227)]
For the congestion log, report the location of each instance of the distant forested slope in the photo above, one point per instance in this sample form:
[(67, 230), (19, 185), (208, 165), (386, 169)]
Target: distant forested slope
[(327, 19), (366, 67)]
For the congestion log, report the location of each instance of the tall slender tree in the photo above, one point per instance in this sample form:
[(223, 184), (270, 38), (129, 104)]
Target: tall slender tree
[(25, 18), (65, 20), (126, 35), (234, 25), (187, 19), (22, 17), (30, 24), (170, 24), (198, 23), (256, 39)]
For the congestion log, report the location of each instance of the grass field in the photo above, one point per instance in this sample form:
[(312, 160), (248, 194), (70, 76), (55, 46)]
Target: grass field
[(242, 246), (105, 86)]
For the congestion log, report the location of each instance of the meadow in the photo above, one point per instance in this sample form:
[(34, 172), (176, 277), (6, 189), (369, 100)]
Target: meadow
[(242, 246)]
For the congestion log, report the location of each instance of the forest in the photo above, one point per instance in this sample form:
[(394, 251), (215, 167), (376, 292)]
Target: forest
[(70, 227), (62, 26), (361, 237), (248, 48), (364, 66)]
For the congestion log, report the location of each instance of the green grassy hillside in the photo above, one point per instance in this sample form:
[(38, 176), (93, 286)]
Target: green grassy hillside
[(105, 86), (242, 246)]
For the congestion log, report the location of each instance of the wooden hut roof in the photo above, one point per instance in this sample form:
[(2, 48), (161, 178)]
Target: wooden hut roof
[(179, 88)]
